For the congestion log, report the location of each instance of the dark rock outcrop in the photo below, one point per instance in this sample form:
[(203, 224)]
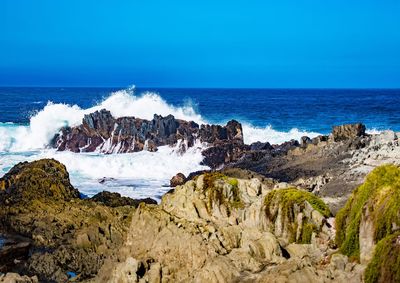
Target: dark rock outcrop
[(101, 131), (115, 200)]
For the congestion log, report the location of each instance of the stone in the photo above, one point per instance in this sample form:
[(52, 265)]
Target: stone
[(115, 200), (348, 132), (177, 180)]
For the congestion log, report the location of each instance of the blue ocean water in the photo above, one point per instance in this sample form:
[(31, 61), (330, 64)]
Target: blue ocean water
[(30, 117), (315, 110)]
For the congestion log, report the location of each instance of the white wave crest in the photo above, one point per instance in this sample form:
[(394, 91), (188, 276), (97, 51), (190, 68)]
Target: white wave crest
[(47, 122), (268, 134)]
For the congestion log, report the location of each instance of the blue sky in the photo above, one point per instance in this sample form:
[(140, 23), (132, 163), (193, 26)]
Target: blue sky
[(200, 43)]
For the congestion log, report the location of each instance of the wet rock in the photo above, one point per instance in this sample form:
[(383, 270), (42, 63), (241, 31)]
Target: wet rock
[(177, 180), (100, 131), (223, 153), (115, 200), (261, 146), (348, 132)]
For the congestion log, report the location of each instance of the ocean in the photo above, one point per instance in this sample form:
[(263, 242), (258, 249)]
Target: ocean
[(30, 117)]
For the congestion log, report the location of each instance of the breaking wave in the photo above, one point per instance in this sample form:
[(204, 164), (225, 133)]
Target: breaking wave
[(141, 174)]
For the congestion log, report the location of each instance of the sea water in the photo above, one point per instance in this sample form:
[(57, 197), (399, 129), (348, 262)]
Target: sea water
[(30, 117)]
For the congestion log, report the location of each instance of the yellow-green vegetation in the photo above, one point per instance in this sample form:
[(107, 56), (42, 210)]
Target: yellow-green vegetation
[(45, 178), (287, 199), (379, 195), (385, 264), (215, 191), (306, 233)]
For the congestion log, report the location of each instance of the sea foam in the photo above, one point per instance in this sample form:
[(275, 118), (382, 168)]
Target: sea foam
[(141, 174)]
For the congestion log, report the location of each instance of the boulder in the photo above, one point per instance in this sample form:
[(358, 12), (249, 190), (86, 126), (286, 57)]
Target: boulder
[(177, 180), (304, 141), (46, 178), (348, 132), (55, 231)]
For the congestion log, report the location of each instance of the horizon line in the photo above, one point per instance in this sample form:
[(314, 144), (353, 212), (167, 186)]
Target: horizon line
[(200, 87)]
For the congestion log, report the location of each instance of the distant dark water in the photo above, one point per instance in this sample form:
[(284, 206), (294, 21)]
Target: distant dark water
[(306, 109)]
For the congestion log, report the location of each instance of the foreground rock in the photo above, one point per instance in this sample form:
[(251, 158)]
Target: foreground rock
[(62, 233), (368, 226), (224, 229)]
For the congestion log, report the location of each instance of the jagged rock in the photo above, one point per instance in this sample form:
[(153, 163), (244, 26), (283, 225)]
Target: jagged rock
[(177, 180), (348, 132), (100, 131), (215, 228), (223, 153), (261, 146), (115, 199)]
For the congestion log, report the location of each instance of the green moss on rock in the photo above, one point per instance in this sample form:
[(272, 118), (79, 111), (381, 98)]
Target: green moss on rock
[(287, 200), (45, 178), (218, 193), (385, 264), (289, 197), (379, 196)]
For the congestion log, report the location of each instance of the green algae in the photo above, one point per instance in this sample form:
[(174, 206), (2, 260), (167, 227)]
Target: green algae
[(379, 197)]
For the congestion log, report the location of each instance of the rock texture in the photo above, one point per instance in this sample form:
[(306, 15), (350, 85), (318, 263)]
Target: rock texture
[(61, 233), (329, 166), (224, 229), (101, 132), (116, 200), (177, 180), (371, 214), (348, 132)]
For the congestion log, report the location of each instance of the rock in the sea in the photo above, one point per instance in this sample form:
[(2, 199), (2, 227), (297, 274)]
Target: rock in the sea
[(115, 200), (177, 180), (348, 132), (100, 131)]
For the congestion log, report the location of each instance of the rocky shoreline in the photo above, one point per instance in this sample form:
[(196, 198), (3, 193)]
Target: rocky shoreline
[(308, 211)]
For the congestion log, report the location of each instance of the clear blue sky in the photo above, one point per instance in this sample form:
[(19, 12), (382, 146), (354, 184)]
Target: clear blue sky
[(331, 43)]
